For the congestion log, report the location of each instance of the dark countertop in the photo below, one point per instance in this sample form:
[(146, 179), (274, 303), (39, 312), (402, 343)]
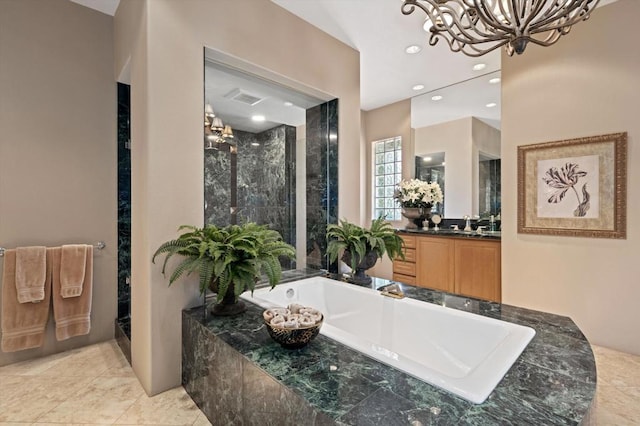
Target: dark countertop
[(553, 382), (485, 235)]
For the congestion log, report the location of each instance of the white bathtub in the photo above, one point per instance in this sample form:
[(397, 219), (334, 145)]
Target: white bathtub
[(463, 353)]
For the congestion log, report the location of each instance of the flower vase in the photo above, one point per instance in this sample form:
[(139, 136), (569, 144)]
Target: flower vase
[(416, 216)]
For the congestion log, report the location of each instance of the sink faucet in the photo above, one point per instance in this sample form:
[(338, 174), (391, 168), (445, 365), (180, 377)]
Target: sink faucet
[(467, 224)]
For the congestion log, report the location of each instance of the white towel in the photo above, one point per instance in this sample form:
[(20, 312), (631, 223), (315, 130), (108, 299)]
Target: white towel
[(73, 259), (30, 273)]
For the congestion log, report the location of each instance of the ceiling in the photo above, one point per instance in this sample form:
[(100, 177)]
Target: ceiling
[(236, 97), (380, 32)]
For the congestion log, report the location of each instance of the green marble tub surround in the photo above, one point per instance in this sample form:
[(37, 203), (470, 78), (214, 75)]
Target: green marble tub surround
[(552, 383)]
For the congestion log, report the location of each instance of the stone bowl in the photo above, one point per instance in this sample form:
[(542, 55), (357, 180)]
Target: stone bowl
[(294, 338)]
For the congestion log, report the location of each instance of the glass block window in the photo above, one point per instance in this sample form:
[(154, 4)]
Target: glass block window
[(387, 172)]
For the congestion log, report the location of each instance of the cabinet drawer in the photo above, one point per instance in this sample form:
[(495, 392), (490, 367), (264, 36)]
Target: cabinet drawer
[(409, 241), (404, 268), (410, 255), (406, 279)]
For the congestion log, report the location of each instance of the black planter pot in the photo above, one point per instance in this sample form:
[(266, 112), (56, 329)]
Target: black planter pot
[(358, 276), (228, 306)]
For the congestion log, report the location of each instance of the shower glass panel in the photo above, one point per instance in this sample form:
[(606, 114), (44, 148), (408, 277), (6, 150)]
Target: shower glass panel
[(270, 157)]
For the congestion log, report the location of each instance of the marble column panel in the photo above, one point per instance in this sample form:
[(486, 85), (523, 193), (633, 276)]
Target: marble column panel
[(124, 202), (322, 179)]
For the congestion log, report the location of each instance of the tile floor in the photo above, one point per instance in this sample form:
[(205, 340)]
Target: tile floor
[(91, 385), (95, 385)]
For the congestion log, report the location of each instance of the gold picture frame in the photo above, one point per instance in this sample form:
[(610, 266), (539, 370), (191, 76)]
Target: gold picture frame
[(575, 187)]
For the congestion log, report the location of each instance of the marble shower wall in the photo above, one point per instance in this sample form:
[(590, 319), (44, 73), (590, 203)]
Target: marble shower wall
[(253, 181), (124, 201), (489, 188), (322, 180), (266, 179), (217, 186)]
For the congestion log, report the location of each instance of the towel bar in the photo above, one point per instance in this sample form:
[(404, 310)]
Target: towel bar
[(99, 245)]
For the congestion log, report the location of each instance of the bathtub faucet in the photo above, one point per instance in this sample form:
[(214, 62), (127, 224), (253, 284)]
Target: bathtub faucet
[(392, 290)]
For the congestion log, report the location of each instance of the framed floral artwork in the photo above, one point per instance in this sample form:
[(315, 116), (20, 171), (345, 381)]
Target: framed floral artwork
[(575, 187)]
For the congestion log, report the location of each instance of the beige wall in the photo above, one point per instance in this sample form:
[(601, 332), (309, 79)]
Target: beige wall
[(587, 84), (58, 143), (382, 123), (454, 138), (165, 47), (486, 140)]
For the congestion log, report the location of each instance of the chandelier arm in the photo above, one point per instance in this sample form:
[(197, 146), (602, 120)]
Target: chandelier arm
[(578, 9), (552, 39), (464, 36), (535, 8), (541, 27), (486, 16), (514, 12), (470, 49)]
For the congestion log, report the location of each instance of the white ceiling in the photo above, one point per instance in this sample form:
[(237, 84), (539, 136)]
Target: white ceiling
[(466, 99), (380, 32), (221, 83)]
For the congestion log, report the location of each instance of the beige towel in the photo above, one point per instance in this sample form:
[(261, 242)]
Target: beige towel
[(31, 271), (72, 315), (23, 324), (72, 264)]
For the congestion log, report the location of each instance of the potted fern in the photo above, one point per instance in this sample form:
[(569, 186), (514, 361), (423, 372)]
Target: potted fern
[(229, 260), (360, 248)]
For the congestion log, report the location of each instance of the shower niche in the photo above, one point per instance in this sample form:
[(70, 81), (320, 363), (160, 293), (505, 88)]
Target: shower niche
[(270, 157)]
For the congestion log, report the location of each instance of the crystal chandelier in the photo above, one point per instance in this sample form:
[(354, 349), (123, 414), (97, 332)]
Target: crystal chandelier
[(215, 132), (476, 27)]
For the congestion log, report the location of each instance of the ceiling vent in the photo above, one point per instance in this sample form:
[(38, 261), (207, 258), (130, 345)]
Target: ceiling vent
[(244, 97)]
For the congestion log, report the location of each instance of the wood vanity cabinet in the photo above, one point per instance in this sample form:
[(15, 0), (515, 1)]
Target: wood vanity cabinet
[(435, 268), (469, 267), (478, 269)]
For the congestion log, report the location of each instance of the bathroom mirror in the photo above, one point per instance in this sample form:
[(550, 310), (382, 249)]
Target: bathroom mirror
[(430, 168), (462, 123), (257, 137)]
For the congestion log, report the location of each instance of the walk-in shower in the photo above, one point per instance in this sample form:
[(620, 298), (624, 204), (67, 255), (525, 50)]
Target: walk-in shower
[(270, 157)]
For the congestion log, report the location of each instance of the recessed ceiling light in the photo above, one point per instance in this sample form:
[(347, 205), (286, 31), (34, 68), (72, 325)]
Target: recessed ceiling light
[(255, 144), (426, 159), (258, 118), (479, 67), (494, 80), (491, 104), (413, 49), (436, 98), (444, 164), (418, 87), (288, 103)]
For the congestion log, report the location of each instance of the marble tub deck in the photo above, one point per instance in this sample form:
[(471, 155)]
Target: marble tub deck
[(238, 375)]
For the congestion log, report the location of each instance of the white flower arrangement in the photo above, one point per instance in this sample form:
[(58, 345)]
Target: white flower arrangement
[(417, 193)]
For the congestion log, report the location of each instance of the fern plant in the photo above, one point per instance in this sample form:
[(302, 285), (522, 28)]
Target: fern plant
[(357, 241), (232, 258)]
